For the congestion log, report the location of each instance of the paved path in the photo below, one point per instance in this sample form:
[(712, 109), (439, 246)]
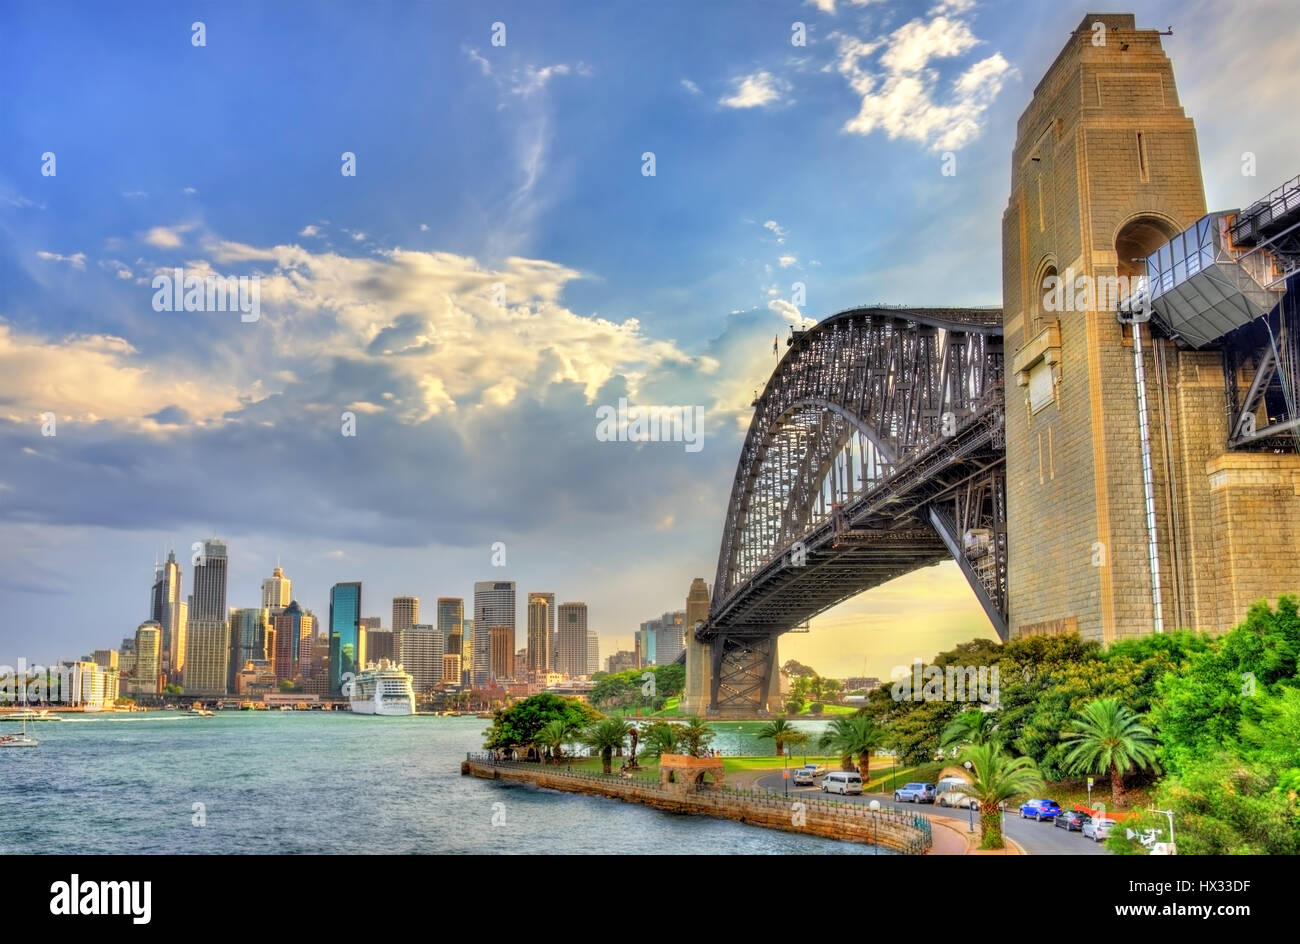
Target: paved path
[(1036, 838)]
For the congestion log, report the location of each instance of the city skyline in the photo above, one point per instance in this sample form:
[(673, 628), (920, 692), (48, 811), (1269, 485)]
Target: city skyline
[(475, 423)]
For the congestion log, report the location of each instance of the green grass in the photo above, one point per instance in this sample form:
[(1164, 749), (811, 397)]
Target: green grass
[(830, 710)]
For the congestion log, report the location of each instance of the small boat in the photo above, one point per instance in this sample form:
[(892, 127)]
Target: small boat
[(199, 711), (28, 714), (286, 707), (18, 740)]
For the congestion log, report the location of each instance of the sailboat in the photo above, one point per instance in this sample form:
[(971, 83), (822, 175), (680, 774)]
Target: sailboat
[(18, 740)]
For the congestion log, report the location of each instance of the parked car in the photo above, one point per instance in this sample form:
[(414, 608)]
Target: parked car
[(946, 793), (842, 782), (1097, 828), (915, 793), (1039, 809), (802, 777), (817, 769), (1070, 820)]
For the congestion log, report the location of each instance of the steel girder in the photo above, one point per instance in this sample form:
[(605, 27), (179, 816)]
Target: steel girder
[(876, 448)]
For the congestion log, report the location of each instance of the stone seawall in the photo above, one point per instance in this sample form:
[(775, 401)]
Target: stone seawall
[(902, 832)]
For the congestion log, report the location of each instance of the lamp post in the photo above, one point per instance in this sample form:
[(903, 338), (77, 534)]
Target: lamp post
[(969, 806), (874, 806)]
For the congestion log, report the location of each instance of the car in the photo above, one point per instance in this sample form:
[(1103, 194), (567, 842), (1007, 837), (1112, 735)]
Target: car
[(1097, 828), (915, 793), (842, 782), (1070, 820), (803, 777), (1039, 809), (947, 793), (817, 770)]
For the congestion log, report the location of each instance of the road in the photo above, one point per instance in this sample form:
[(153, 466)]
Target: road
[(1036, 838)]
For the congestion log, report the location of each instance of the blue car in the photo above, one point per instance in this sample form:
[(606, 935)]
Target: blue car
[(1040, 810)]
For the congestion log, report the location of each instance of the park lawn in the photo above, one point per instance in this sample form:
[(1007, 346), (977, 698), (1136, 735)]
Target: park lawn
[(1074, 793), (830, 710)]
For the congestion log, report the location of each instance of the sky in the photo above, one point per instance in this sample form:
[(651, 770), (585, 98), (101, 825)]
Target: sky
[(500, 265)]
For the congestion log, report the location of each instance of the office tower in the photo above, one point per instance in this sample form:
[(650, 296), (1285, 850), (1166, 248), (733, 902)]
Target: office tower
[(420, 652), (369, 622), (593, 653), (406, 613), (621, 661), (293, 631), (147, 647), (451, 618), (467, 652), (382, 644), (501, 652), (126, 661), (646, 640), (571, 652), (451, 668), (208, 598), (248, 639), (670, 637), (309, 640), (168, 610), (209, 618), (207, 663), (276, 593), (494, 605), (541, 623), (106, 658), (346, 640), (521, 663)]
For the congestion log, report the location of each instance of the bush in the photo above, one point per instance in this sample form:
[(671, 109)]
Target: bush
[(815, 708)]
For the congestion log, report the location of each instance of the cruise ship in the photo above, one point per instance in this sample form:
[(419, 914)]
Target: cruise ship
[(383, 690)]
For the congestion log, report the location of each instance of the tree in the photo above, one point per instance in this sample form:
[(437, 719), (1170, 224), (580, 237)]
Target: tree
[(797, 669), (661, 738), (694, 737), (794, 704), (858, 734), (973, 727), (553, 736), (1108, 738), (778, 731), (797, 739), (517, 725), (816, 708), (994, 778), (171, 689), (286, 685), (605, 737), (670, 680)]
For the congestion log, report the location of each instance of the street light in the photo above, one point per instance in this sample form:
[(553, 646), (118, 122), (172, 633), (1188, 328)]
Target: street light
[(970, 806), (874, 806)]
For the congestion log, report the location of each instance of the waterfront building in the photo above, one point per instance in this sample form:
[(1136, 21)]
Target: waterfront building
[(622, 661), (670, 637), (420, 651), (106, 658), (294, 628), (256, 678), (406, 613), (451, 668), (593, 653), (541, 626), (277, 591), (571, 653), (249, 629), (347, 641), (501, 653), (169, 611), (382, 644), (147, 649), (494, 605), (207, 665)]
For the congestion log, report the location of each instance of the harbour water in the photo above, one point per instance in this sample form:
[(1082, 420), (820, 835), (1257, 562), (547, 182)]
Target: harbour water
[(317, 782)]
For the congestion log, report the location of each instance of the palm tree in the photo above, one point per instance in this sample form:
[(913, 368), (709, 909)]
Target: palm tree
[(606, 736), (858, 735), (553, 736), (661, 738), (695, 736), (972, 727), (1109, 738), (778, 730), (993, 778)]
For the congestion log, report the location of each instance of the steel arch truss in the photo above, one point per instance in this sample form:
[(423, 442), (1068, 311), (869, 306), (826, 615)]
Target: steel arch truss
[(876, 448)]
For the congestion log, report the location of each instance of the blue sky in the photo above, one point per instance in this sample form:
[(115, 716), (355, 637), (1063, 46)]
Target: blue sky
[(477, 164)]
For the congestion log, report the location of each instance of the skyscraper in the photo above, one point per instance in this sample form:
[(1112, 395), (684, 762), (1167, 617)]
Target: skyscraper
[(249, 628), (293, 632), (406, 613), (541, 624), (494, 605), (208, 598), (207, 664), (466, 652), (593, 653), (671, 637), (148, 644), (277, 591), (571, 654), (501, 653), (420, 651), (646, 640), (346, 646), (208, 623), (169, 611), (383, 644), (451, 617)]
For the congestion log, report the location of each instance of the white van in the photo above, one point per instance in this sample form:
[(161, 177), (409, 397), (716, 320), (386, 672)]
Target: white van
[(842, 782)]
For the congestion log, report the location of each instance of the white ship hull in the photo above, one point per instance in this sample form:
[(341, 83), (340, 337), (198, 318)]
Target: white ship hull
[(389, 706), (382, 690)]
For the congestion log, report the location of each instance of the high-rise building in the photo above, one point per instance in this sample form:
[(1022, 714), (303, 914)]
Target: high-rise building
[(571, 653), (383, 644), (593, 653), (168, 610), (277, 591), (208, 598), (406, 613), (293, 633), (106, 658), (420, 652), (494, 605), (249, 628), (467, 652), (541, 625), (346, 634), (670, 637), (451, 618), (451, 668), (501, 653), (646, 637), (207, 662), (622, 661), (148, 653), (369, 622)]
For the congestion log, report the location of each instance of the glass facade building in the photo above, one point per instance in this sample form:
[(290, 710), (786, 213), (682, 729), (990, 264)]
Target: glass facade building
[(345, 634)]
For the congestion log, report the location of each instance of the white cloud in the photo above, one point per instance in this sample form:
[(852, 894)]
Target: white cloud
[(76, 260), (309, 230), (478, 60), (773, 227), (120, 268), (900, 96), (690, 86), (167, 237), (787, 261), (189, 191), (424, 227), (533, 80), (754, 91), (134, 194), (358, 237)]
